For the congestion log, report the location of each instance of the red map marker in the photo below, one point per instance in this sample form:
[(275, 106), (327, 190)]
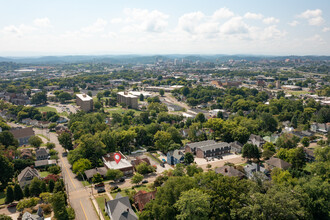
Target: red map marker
[(117, 157)]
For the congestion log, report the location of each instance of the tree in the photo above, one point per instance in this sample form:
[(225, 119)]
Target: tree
[(137, 178), (7, 139), (35, 187), (46, 197), (39, 98), (141, 97), (54, 169), (65, 140), (200, 117), (59, 206), (50, 145), (81, 165), (162, 140), (188, 158), (161, 92), (8, 167), (98, 105), (193, 204), (192, 169), (71, 213), (299, 159), (51, 185), (43, 186), (5, 217), (250, 151), (287, 141), (99, 95), (18, 192), (266, 154), (97, 178), (35, 141), (305, 141), (113, 174), (26, 191), (9, 195), (144, 168)]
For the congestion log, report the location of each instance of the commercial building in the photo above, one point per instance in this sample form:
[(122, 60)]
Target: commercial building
[(130, 100), (208, 148), (85, 102), (123, 165)]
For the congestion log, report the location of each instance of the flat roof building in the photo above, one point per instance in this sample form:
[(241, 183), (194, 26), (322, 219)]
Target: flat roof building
[(129, 99), (85, 102)]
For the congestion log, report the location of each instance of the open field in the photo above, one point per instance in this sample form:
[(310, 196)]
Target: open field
[(46, 109), (121, 110)]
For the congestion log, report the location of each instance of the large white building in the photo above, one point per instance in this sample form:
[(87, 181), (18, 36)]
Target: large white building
[(85, 102), (129, 99)]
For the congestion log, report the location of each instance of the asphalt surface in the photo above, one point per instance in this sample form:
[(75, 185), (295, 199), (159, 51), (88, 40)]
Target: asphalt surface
[(79, 197)]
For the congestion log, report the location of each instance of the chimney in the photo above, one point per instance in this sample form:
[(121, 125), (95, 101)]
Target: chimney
[(226, 171), (127, 209), (258, 167)]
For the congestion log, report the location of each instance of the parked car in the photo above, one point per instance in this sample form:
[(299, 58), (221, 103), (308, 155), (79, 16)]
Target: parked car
[(101, 190), (145, 181), (114, 187), (14, 204), (99, 185)]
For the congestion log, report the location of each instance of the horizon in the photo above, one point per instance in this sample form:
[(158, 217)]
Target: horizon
[(274, 28)]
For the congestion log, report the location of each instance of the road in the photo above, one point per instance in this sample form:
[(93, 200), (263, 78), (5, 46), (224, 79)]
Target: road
[(79, 197)]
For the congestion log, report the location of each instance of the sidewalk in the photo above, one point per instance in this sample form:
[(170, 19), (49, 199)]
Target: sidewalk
[(98, 209)]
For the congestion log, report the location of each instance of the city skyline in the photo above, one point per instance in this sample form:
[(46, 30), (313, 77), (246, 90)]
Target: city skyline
[(146, 27)]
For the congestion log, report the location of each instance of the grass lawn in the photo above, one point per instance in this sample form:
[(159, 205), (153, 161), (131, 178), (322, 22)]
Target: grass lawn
[(2, 198), (153, 157), (44, 173), (46, 109), (308, 167), (143, 187), (120, 110), (100, 202), (296, 93), (86, 183), (66, 114)]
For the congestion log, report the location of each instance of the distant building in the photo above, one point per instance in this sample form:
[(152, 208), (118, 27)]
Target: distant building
[(236, 147), (250, 169), (278, 84), (124, 165), (130, 100), (90, 173), (85, 102), (229, 171), (42, 154), (22, 135), (208, 148), (44, 163), (256, 140), (26, 176), (120, 208), (277, 162), (175, 157), (320, 127), (291, 87)]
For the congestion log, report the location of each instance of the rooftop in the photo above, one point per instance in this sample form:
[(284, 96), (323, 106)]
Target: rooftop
[(84, 97)]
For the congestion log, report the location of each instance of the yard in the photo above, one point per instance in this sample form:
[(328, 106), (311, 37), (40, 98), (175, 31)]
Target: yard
[(120, 110), (44, 173), (100, 202), (126, 192), (46, 109)]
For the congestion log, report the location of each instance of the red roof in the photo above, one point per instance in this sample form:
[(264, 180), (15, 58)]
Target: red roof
[(141, 198)]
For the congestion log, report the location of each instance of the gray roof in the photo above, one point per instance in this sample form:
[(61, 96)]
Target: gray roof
[(40, 163), (236, 144), (256, 137), (42, 152), (121, 208), (251, 168), (214, 146), (176, 154), (277, 162), (101, 170), (27, 172), (229, 171), (201, 144)]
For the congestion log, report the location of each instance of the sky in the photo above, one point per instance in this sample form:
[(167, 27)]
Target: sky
[(101, 27)]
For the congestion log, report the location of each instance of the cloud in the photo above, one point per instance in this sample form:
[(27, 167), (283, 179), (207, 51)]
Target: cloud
[(142, 20), (270, 20), (42, 22), (234, 26), (223, 13), (98, 26), (293, 23), (255, 16), (18, 31), (191, 22), (326, 29), (314, 17)]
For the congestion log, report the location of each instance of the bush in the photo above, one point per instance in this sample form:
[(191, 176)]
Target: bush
[(47, 208)]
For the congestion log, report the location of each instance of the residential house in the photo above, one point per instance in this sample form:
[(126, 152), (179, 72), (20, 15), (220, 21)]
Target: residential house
[(29, 121), (26, 154), (22, 135), (310, 157), (236, 147), (123, 165), (277, 162), (256, 140), (229, 171), (120, 208), (26, 176), (42, 154), (302, 134), (213, 150), (175, 157), (141, 198), (44, 163), (272, 139), (90, 173), (191, 147), (320, 127), (251, 169)]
